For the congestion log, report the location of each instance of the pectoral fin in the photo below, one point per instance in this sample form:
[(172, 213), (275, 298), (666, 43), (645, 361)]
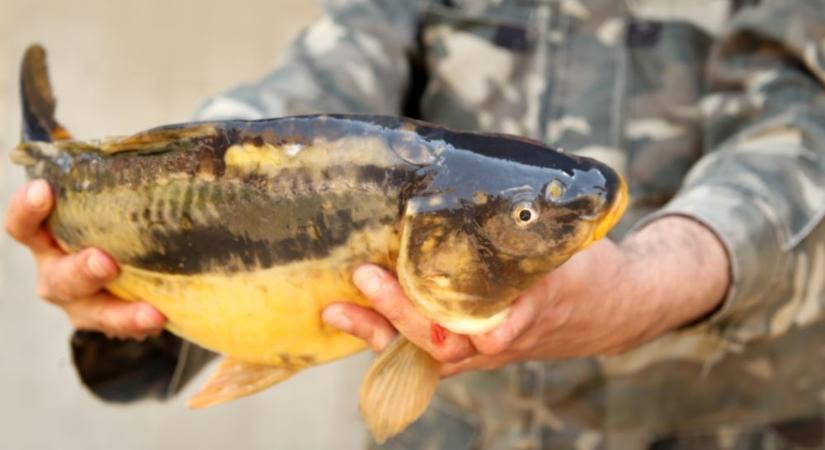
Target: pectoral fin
[(397, 388), (234, 379)]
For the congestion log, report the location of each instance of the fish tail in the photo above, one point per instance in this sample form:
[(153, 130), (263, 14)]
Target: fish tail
[(38, 103), (397, 388)]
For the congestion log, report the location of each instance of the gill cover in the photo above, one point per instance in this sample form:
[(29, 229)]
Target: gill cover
[(437, 261)]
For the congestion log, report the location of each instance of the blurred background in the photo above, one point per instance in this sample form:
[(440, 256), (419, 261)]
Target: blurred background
[(119, 67)]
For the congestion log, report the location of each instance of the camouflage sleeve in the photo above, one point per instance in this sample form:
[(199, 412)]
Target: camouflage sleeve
[(123, 371), (354, 59), (761, 186)]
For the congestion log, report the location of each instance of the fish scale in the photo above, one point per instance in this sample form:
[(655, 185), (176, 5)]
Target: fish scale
[(242, 232)]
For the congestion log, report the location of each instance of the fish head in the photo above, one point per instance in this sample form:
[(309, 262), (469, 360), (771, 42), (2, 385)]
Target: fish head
[(490, 226)]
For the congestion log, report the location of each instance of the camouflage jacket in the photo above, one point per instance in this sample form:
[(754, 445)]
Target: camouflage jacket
[(713, 109)]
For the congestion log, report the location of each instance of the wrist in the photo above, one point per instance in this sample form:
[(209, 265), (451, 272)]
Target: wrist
[(680, 269)]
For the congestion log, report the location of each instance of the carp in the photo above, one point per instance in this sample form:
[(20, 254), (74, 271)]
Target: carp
[(241, 232)]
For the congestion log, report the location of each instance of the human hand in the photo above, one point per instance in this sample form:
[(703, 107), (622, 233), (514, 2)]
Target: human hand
[(75, 282), (606, 300)]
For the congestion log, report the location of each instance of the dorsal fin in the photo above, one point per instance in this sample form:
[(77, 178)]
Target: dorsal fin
[(37, 101), (157, 139)]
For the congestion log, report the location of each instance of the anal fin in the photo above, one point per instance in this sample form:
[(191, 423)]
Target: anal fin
[(397, 388), (234, 379)]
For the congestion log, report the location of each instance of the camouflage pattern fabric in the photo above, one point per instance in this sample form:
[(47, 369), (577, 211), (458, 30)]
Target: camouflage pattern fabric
[(713, 109)]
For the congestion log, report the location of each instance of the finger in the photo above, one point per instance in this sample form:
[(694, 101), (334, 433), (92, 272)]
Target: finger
[(76, 276), (115, 317), (520, 317), (479, 362), (387, 297), (28, 208), (360, 322)]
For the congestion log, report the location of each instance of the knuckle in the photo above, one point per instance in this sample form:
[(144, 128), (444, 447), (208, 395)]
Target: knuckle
[(110, 321), (560, 317), (448, 354), (45, 290), (126, 325), (11, 229), (79, 317), (80, 267), (16, 232), (79, 323), (440, 355), (102, 318), (375, 345), (490, 347), (393, 312), (98, 322), (358, 330), (71, 279), (377, 339), (361, 333)]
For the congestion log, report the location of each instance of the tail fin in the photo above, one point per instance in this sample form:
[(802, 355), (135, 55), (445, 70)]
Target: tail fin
[(37, 100)]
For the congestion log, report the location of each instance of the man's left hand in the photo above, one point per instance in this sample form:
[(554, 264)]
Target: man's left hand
[(605, 300)]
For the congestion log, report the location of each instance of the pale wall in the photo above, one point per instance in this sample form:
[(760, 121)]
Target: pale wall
[(119, 67)]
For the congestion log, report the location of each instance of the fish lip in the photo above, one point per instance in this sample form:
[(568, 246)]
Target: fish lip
[(614, 214)]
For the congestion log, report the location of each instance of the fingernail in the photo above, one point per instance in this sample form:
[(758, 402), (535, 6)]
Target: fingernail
[(147, 319), (99, 265), (37, 195), (335, 318), (368, 280)]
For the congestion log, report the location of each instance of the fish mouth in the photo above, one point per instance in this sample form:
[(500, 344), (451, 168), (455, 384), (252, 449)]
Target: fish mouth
[(614, 215)]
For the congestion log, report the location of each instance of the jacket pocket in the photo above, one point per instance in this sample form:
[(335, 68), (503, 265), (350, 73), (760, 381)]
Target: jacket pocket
[(474, 56)]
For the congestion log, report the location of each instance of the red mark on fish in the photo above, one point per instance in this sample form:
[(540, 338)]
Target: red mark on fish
[(438, 334)]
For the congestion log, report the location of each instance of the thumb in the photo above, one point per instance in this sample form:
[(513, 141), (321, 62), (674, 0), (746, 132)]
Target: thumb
[(520, 318)]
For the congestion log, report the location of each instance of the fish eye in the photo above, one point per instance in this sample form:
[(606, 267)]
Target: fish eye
[(525, 214)]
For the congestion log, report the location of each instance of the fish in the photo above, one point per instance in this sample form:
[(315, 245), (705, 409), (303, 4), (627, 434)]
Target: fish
[(241, 231)]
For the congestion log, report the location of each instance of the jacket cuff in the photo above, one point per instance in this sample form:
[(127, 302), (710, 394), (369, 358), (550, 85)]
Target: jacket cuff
[(121, 371), (753, 239)]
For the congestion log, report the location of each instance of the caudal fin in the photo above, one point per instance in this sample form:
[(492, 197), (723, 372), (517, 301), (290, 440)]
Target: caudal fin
[(37, 101), (397, 388)]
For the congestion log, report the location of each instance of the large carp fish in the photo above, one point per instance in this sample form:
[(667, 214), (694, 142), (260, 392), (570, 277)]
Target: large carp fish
[(241, 232)]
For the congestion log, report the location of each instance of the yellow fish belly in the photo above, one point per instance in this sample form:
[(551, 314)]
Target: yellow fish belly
[(268, 316)]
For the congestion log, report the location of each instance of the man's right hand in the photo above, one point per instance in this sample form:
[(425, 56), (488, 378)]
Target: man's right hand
[(75, 282)]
